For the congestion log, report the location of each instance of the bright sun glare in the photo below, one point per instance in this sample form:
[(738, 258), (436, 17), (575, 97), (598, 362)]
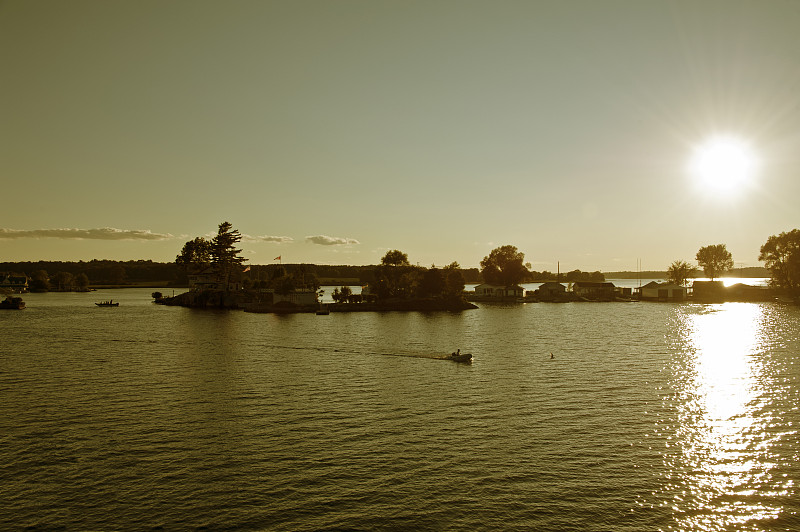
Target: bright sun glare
[(723, 164)]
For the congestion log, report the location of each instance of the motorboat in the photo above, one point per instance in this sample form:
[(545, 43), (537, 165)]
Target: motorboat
[(12, 303), (109, 303), (460, 357)]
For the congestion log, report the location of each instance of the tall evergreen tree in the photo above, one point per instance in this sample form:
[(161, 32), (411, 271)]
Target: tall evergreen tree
[(225, 254)]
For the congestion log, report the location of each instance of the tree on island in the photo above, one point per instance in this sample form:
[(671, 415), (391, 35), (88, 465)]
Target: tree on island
[(715, 260), (394, 276), (40, 281), (504, 266), (284, 285), (195, 255), (454, 280), (82, 282), (285, 282), (432, 282), (64, 281), (781, 254), (576, 275), (224, 254), (341, 295), (395, 257), (679, 272)]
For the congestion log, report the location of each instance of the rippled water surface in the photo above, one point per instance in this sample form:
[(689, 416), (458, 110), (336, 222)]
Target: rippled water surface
[(650, 416)]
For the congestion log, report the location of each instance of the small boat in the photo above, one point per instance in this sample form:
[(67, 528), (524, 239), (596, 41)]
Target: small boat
[(12, 303), (460, 357), (109, 303)]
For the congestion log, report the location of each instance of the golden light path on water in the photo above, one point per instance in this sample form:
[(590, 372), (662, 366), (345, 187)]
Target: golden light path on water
[(723, 438)]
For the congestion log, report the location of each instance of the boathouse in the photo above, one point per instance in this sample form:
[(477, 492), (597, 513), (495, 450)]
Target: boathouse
[(205, 279), (550, 291), (296, 297), (655, 291), (210, 279), (708, 291), (595, 291), (491, 291)]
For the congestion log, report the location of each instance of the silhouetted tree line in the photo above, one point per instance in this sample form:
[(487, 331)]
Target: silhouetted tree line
[(396, 278), (65, 275), (148, 271)]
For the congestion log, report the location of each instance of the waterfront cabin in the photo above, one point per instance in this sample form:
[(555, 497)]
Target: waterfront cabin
[(717, 292), (487, 291), (746, 292), (551, 291), (14, 283), (206, 279), (655, 291), (297, 297), (623, 291), (594, 291), (210, 279), (708, 291)]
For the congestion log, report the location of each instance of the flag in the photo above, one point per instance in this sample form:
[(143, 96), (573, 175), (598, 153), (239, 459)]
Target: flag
[(247, 269), (277, 258)]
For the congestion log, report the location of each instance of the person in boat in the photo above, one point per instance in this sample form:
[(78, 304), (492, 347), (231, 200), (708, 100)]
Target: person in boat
[(457, 353)]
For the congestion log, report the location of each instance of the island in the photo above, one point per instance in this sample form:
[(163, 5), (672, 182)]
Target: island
[(218, 279)]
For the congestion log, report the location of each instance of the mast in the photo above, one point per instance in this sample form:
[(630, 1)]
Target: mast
[(639, 273)]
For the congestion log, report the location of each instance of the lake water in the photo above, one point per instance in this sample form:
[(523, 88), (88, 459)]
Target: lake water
[(650, 416)]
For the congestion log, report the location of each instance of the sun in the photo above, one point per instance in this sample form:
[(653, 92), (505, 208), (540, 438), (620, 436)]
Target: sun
[(723, 164)]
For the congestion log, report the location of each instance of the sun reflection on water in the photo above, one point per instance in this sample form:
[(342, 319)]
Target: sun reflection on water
[(722, 442), (723, 342)]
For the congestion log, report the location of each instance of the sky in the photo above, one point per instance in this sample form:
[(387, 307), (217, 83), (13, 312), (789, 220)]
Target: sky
[(331, 131)]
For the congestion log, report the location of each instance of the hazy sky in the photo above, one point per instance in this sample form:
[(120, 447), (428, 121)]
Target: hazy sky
[(330, 131)]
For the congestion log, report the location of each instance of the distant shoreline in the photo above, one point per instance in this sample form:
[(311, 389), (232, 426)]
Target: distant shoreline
[(753, 272)]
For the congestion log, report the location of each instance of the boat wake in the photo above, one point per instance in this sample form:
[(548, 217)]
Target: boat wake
[(460, 358)]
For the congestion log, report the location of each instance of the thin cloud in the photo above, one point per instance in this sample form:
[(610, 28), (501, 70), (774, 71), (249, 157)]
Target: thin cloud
[(102, 233), (268, 238), (324, 240)]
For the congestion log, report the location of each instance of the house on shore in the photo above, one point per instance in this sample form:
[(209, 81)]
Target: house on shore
[(490, 292), (210, 279), (655, 291), (594, 291), (625, 292), (708, 291), (717, 292), (746, 292), (551, 291), (296, 297), (205, 279), (15, 283)]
